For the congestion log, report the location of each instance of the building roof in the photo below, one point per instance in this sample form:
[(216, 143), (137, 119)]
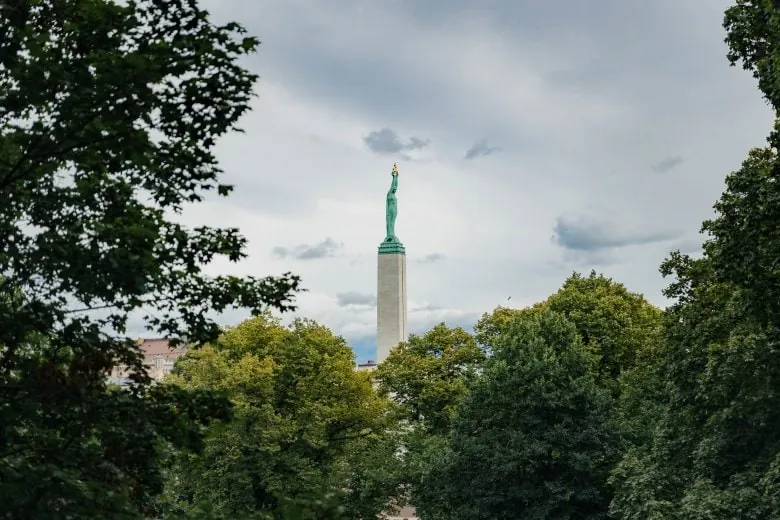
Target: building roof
[(160, 347)]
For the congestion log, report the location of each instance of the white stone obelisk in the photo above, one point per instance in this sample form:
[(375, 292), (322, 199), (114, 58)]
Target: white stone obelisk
[(391, 312)]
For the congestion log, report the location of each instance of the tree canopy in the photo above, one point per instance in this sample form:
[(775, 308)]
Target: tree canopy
[(300, 411), (617, 327), (534, 438), (427, 375), (109, 113), (715, 452)]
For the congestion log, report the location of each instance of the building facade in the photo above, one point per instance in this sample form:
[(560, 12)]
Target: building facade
[(159, 359)]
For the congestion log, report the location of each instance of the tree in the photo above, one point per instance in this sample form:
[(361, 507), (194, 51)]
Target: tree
[(752, 30), (109, 112), (619, 328), (427, 375), (715, 452), (301, 411), (616, 326), (622, 333), (427, 379), (491, 327), (534, 438), (376, 474)]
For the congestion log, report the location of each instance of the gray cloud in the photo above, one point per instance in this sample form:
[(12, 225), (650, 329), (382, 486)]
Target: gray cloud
[(388, 142), (433, 257), (572, 109), (347, 299), (667, 165), (480, 149), (584, 234), (428, 307), (324, 249), (320, 60), (466, 320), (689, 245), (580, 260)]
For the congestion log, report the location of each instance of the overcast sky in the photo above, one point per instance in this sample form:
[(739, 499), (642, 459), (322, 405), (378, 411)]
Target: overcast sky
[(533, 139)]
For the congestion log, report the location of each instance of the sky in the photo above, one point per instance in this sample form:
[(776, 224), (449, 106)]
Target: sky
[(533, 139)]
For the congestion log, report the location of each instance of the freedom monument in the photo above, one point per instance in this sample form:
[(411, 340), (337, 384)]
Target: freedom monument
[(391, 312)]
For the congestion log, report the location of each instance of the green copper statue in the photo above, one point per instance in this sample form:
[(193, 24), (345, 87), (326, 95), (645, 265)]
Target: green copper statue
[(391, 210)]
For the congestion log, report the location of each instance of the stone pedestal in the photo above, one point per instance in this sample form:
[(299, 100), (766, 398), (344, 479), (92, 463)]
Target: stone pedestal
[(391, 318)]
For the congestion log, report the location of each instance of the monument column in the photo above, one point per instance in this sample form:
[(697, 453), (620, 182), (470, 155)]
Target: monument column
[(391, 314)]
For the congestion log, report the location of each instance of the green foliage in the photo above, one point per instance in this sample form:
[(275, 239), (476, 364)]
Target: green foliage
[(616, 326), (745, 241), (109, 112), (620, 329), (427, 375), (534, 438), (491, 327), (715, 444), (301, 410), (427, 378), (752, 31), (375, 474), (622, 333), (102, 458), (714, 453)]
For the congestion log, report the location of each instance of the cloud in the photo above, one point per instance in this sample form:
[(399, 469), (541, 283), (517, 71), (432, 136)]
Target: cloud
[(418, 308), (587, 234), (433, 257), (387, 142), (326, 248), (569, 111), (690, 245), (480, 149), (347, 299), (580, 260), (667, 165)]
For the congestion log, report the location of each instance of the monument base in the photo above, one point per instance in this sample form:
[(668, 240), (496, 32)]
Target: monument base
[(392, 247)]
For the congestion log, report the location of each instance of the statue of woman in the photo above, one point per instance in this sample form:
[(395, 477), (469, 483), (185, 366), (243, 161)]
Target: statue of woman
[(391, 210)]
